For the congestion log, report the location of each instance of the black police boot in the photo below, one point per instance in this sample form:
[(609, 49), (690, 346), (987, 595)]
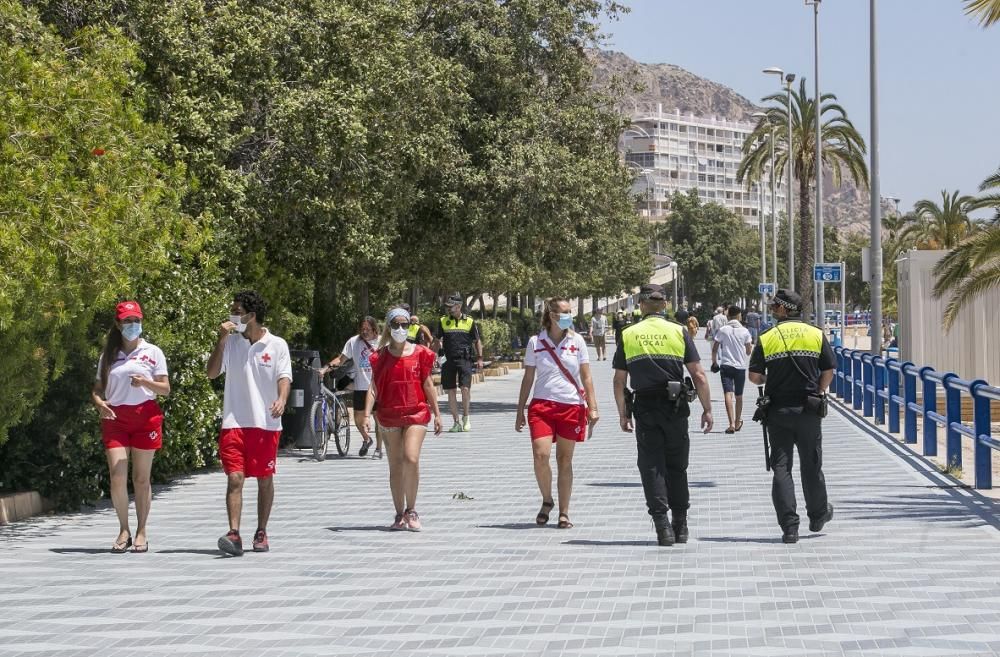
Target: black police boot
[(680, 527), (790, 535), (817, 525), (664, 533)]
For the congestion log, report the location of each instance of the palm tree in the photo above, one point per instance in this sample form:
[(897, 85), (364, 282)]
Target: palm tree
[(991, 200), (940, 226), (987, 11), (843, 149), (969, 270)]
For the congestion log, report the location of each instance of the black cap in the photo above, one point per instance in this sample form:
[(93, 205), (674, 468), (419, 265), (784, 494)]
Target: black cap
[(652, 291), (787, 299), (453, 300)]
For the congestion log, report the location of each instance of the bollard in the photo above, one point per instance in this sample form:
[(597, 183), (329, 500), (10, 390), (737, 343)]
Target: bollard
[(953, 411), (981, 427), (893, 383), (930, 404), (878, 363), (866, 385), (909, 397)]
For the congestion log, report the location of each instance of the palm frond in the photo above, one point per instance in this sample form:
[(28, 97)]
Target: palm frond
[(987, 11), (979, 281)]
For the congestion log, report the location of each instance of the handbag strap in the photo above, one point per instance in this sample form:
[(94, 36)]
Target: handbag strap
[(558, 361)]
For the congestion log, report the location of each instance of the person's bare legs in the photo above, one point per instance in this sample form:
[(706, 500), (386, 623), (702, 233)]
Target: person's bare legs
[(378, 436), (142, 464), (466, 398), (394, 452), (118, 469), (234, 498), (413, 440), (541, 450), (265, 499), (730, 410), (739, 409), (453, 403), (564, 461)]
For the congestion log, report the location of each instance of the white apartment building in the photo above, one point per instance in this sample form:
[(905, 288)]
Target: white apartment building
[(674, 153)]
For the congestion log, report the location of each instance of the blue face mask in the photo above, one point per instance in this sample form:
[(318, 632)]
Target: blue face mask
[(131, 331), (565, 321)]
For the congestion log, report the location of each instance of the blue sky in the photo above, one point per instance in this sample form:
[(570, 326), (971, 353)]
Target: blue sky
[(939, 73)]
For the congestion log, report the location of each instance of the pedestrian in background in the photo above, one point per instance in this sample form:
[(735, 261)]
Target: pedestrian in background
[(731, 354), (598, 327), (563, 406), (131, 374), (358, 349)]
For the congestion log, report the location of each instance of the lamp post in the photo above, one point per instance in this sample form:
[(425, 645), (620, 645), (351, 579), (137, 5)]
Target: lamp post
[(876, 201), (774, 70), (820, 304), (673, 270), (774, 220)]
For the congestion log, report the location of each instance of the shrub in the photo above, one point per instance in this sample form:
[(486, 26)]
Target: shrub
[(495, 334)]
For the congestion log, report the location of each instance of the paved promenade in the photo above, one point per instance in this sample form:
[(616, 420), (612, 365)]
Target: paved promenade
[(909, 565)]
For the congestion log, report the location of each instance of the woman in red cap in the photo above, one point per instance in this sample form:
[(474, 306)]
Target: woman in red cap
[(130, 375)]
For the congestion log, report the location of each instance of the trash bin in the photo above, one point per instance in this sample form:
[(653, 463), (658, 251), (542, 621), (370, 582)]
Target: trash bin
[(837, 340), (305, 388)]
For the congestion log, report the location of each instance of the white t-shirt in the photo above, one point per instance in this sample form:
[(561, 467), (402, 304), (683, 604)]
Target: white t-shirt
[(733, 339), (598, 325), (358, 351), (252, 374), (146, 360), (550, 383), (718, 321)]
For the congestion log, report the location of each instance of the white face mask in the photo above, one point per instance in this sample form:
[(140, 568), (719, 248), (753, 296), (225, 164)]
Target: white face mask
[(399, 334), (238, 320)]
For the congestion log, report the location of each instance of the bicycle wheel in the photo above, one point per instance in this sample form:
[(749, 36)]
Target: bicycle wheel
[(320, 430), (341, 428)]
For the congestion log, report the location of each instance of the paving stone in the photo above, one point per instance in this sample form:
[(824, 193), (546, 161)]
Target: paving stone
[(907, 566)]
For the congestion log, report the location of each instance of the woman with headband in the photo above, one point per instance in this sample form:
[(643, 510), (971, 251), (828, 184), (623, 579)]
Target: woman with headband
[(401, 382)]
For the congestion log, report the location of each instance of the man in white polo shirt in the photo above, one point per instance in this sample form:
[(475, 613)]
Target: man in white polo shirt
[(258, 373), (731, 349)]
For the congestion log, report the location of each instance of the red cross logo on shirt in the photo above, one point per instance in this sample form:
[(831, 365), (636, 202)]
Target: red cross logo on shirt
[(266, 358), (572, 349)]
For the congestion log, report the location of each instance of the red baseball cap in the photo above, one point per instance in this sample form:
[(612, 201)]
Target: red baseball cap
[(128, 309)]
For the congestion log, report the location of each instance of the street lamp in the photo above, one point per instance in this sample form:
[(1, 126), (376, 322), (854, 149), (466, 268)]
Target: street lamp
[(774, 219), (673, 271), (820, 304), (876, 202), (788, 79)]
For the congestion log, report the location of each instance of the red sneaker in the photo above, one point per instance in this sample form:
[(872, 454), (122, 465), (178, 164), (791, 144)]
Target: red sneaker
[(232, 544), (260, 541)]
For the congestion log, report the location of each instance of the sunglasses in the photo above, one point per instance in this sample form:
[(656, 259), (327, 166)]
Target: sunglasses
[(400, 325)]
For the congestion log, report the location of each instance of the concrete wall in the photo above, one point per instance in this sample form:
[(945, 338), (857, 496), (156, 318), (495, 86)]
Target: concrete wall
[(971, 348)]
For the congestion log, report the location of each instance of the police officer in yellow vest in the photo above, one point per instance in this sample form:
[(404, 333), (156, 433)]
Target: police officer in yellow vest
[(459, 335), (417, 333), (795, 363), (653, 354)]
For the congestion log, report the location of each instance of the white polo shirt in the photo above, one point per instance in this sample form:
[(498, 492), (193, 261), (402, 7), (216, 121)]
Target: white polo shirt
[(550, 383), (252, 374), (733, 339), (145, 360)]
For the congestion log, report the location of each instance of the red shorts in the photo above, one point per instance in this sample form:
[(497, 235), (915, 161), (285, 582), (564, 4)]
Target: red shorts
[(138, 427), (548, 418), (251, 451), (398, 417)]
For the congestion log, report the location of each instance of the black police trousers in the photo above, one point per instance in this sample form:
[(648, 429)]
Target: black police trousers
[(788, 429), (662, 439)]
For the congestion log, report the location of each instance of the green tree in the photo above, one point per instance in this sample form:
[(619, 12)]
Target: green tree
[(940, 226), (718, 254), (843, 151)]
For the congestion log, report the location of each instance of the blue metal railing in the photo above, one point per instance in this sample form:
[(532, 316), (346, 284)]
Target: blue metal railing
[(883, 388)]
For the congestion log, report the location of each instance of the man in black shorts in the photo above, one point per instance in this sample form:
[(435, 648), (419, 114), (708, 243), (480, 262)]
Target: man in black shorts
[(458, 334)]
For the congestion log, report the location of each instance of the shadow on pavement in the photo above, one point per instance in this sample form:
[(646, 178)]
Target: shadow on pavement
[(82, 551), (364, 528), (483, 407), (751, 539), (206, 551), (514, 525), (638, 484), (585, 541)]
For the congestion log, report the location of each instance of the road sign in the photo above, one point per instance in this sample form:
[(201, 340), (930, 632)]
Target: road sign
[(828, 272), (766, 288)]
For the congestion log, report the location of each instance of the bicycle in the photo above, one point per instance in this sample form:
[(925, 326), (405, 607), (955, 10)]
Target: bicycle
[(328, 416)]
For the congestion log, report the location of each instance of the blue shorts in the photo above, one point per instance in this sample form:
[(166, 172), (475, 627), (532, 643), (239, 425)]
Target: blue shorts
[(733, 380)]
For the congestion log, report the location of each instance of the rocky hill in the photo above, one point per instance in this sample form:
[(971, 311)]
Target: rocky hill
[(678, 89)]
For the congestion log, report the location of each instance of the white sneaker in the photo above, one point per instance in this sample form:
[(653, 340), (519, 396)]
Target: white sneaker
[(377, 454)]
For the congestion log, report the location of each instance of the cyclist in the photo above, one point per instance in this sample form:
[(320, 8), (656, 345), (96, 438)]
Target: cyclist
[(459, 334), (401, 381), (131, 374), (359, 349)]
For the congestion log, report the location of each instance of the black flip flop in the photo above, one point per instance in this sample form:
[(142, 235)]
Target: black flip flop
[(564, 522), (739, 424), (122, 548), (141, 549)]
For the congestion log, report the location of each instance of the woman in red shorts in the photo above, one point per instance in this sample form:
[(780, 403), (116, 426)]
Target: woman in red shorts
[(131, 374), (401, 381), (563, 408)]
